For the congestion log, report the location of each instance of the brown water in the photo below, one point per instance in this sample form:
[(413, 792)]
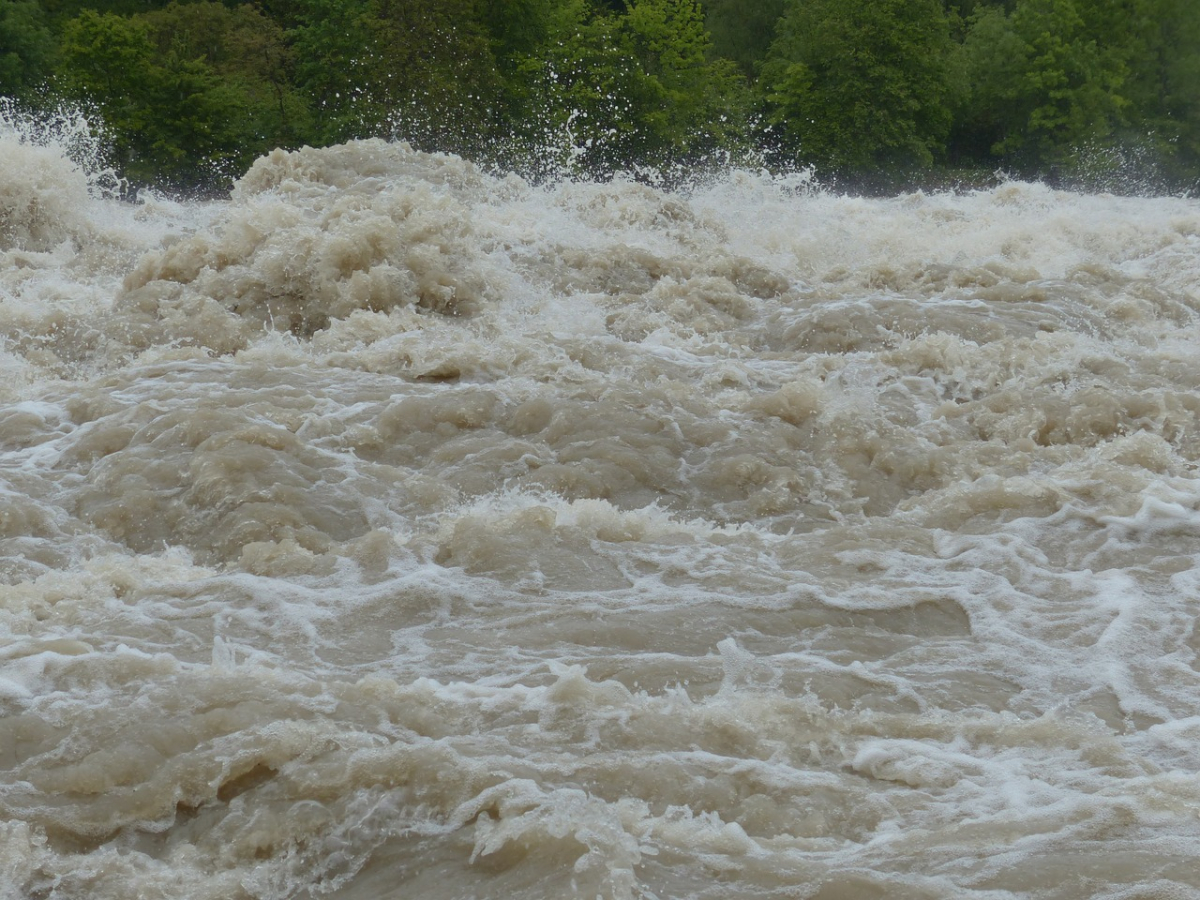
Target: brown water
[(394, 530)]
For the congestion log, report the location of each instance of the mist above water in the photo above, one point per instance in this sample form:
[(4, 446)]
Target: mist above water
[(398, 529)]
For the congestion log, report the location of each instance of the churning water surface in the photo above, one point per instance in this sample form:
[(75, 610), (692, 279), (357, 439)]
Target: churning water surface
[(397, 530)]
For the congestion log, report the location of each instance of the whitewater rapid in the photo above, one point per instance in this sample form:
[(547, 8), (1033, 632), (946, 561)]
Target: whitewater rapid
[(395, 529)]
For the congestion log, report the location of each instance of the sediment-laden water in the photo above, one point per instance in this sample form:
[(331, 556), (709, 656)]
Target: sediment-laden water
[(396, 530)]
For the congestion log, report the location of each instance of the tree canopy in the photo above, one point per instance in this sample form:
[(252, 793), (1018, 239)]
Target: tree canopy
[(26, 46), (887, 90), (861, 85)]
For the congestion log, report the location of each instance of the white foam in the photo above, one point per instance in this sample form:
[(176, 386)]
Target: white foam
[(749, 529)]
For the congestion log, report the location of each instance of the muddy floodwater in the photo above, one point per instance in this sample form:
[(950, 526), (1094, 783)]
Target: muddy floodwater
[(392, 529)]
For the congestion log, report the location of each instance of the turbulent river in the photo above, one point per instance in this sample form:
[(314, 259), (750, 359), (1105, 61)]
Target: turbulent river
[(397, 530)]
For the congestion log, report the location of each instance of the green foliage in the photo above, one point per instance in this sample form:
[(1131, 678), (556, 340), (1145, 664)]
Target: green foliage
[(69, 9), (192, 90), (741, 31), (1044, 79), (370, 67), (1163, 87), (247, 52), (861, 85), (110, 59), (170, 110), (586, 85), (518, 27), (701, 100), (26, 47), (1178, 109), (337, 46), (442, 79), (635, 88)]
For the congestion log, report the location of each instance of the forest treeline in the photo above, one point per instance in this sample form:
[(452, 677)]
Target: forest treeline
[(878, 92)]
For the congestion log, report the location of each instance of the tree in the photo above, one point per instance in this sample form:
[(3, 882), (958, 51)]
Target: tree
[(590, 97), (338, 45), (1163, 86), (247, 52), (741, 31), (1045, 79), (518, 27), (173, 118), (26, 47), (861, 86), (635, 88), (1177, 52), (417, 69), (62, 10), (701, 99)]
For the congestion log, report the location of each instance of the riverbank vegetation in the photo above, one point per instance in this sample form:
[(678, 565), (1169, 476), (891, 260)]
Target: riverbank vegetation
[(871, 93)]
